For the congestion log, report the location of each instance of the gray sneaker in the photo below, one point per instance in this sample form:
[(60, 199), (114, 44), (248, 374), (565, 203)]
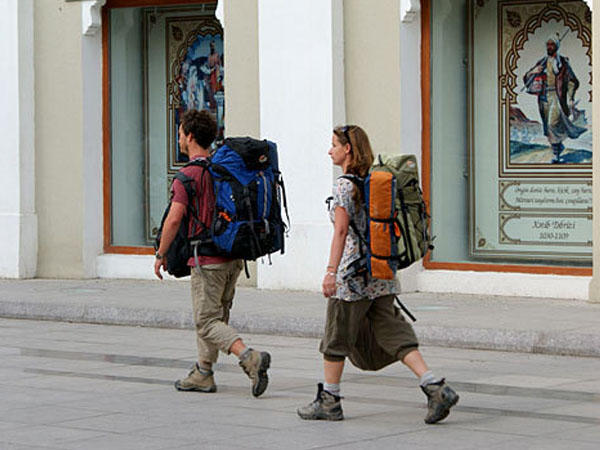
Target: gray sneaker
[(198, 380), (325, 407), (440, 398), (255, 365)]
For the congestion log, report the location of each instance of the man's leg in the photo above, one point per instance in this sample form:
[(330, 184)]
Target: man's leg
[(254, 363), (200, 378), (557, 149)]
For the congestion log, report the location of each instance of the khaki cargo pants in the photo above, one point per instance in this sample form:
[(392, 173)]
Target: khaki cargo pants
[(213, 288)]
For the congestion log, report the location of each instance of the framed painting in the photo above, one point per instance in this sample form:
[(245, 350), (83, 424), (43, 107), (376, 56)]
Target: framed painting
[(183, 69), (530, 129)]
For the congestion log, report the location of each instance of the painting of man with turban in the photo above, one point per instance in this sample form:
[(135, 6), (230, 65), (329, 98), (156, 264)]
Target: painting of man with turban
[(554, 83)]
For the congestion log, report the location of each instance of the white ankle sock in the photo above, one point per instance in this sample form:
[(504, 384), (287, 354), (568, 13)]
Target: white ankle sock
[(245, 354), (428, 378), (333, 389)]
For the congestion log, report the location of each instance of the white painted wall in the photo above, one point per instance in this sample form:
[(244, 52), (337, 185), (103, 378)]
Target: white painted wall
[(91, 60), (301, 99), (411, 122), (499, 283), (18, 220), (136, 267)]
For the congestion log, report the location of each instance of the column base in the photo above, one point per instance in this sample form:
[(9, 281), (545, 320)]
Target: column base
[(18, 246), (594, 292)]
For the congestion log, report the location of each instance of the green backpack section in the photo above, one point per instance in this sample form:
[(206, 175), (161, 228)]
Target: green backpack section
[(411, 211)]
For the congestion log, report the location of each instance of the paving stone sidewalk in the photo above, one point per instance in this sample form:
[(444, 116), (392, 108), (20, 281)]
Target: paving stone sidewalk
[(78, 386), (531, 325)]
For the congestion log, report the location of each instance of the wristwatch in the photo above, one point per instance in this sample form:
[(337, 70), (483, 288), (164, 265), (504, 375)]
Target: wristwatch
[(158, 256)]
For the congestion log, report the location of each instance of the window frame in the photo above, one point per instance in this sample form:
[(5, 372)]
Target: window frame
[(106, 120), (426, 172)]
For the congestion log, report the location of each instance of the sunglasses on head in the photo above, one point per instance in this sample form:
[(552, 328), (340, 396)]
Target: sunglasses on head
[(345, 130)]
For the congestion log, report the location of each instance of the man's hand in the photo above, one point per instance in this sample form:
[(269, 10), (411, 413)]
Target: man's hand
[(158, 263), (169, 230)]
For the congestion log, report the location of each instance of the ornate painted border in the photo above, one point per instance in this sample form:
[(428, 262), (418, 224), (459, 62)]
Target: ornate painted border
[(476, 241), (505, 206), (206, 26), (170, 151), (504, 238), (507, 80)]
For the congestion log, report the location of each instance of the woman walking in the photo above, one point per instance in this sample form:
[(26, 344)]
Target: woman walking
[(360, 309)]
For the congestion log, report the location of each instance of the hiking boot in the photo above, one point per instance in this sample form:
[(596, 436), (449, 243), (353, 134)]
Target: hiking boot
[(198, 380), (325, 407), (440, 398), (256, 364)]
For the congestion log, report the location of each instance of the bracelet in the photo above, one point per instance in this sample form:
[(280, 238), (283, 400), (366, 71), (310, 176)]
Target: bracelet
[(333, 274), (334, 269)]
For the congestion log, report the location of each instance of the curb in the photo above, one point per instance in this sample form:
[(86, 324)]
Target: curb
[(523, 341)]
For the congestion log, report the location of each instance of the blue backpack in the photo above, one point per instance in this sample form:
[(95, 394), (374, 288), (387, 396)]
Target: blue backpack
[(247, 221), (249, 192)]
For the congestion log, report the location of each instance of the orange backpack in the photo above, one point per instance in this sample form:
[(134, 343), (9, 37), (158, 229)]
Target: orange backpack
[(398, 224)]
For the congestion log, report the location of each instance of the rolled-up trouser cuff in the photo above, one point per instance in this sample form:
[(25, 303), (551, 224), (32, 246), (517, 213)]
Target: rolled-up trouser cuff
[(333, 358), (233, 339), (405, 351)]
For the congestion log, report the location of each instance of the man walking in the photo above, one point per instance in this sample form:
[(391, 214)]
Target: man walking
[(213, 278)]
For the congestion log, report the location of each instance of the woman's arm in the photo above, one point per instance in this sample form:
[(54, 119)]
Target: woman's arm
[(340, 231)]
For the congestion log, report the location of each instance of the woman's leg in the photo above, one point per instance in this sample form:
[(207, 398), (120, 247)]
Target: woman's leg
[(415, 362), (341, 329), (333, 371), (393, 332)]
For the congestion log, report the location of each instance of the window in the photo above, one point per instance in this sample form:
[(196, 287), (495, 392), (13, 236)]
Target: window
[(162, 61), (510, 132)]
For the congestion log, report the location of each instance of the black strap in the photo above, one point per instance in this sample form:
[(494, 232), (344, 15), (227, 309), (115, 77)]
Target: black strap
[(193, 205), (358, 181), (407, 240), (360, 184), (405, 309), (284, 198), (248, 203)]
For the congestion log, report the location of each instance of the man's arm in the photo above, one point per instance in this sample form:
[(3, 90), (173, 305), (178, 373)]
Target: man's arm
[(535, 70), (169, 231), (572, 83)]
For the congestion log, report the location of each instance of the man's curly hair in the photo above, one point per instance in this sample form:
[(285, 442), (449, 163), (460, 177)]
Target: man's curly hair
[(201, 124)]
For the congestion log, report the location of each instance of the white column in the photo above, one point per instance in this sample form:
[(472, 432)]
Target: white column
[(91, 68), (301, 60), (594, 294), (18, 220)]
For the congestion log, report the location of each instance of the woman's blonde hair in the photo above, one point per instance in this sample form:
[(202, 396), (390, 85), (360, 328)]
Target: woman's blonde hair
[(361, 154)]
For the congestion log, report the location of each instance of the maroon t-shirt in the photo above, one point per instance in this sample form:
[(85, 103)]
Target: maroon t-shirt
[(206, 205)]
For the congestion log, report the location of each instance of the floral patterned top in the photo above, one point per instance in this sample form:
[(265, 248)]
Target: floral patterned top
[(352, 286)]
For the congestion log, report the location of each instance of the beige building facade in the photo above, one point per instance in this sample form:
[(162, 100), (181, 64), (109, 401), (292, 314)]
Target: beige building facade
[(290, 71)]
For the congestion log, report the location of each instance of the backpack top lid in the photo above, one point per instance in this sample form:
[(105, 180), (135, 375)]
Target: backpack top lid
[(256, 154), (403, 167)]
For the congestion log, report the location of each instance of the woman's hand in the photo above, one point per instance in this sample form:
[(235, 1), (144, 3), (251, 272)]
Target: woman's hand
[(329, 284)]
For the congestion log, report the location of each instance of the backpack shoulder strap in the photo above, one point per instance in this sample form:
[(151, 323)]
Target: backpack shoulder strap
[(358, 181), (360, 184), (193, 201), (205, 163)]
